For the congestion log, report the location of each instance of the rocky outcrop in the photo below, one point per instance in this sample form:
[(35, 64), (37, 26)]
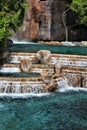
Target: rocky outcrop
[(42, 21), (44, 56), (25, 65), (60, 73), (47, 20)]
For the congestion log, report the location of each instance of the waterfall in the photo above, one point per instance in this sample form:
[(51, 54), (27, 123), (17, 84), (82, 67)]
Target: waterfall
[(20, 86), (16, 78), (63, 84)]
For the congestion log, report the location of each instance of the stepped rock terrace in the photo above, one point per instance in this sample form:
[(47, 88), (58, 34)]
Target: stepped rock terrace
[(63, 66)]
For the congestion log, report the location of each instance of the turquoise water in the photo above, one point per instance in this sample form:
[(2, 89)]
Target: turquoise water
[(57, 111), (79, 50)]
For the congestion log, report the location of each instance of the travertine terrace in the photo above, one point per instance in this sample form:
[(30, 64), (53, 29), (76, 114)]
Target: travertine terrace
[(42, 76)]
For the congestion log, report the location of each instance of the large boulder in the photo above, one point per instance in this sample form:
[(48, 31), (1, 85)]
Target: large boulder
[(51, 86), (48, 80), (25, 65), (44, 56), (46, 77)]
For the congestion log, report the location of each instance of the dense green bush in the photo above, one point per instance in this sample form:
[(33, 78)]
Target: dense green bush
[(80, 8), (11, 17)]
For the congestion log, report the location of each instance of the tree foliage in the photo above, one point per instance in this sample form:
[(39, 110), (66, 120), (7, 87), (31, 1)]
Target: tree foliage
[(80, 8), (11, 16)]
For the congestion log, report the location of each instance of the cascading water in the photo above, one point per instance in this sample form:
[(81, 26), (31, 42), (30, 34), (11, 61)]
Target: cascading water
[(39, 109), (60, 109), (63, 84), (72, 66)]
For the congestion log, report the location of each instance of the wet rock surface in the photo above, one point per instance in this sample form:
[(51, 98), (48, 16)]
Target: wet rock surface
[(55, 72)]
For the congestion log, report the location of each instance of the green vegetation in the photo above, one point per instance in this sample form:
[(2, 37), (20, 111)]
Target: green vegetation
[(11, 17), (80, 8)]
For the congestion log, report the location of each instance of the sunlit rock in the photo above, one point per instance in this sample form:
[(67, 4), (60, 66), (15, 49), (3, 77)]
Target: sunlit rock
[(25, 65), (35, 59), (50, 86), (34, 30), (44, 56), (51, 43), (46, 76)]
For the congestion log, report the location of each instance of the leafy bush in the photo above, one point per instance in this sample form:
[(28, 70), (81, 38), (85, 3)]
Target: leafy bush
[(80, 8), (11, 17)]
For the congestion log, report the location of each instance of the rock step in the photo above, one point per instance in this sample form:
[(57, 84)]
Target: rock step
[(21, 79), (33, 48), (53, 55), (65, 43), (36, 68), (77, 76), (21, 85), (74, 70), (73, 60)]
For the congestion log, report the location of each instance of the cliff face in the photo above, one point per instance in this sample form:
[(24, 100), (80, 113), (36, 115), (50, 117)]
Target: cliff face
[(57, 27), (44, 21)]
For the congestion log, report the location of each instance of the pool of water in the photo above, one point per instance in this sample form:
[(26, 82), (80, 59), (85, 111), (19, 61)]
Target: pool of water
[(33, 48), (56, 111)]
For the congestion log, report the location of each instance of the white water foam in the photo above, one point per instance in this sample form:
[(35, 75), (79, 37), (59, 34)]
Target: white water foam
[(70, 43), (70, 88), (23, 96), (9, 70), (64, 86), (23, 42)]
